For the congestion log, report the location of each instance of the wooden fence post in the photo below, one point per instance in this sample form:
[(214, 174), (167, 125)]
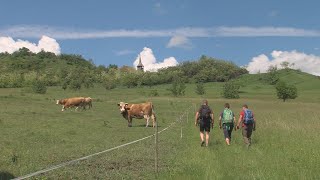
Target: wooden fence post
[(156, 150)]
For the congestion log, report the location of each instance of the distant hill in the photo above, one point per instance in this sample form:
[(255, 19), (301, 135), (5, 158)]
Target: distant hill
[(300, 79), (24, 68)]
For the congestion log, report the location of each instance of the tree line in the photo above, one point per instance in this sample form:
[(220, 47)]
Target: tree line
[(24, 68)]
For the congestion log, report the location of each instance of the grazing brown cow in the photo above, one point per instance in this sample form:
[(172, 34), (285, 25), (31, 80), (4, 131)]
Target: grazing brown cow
[(87, 102), (71, 102), (139, 111)]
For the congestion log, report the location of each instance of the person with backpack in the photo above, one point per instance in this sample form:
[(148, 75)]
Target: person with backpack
[(204, 117), (227, 121), (248, 124)]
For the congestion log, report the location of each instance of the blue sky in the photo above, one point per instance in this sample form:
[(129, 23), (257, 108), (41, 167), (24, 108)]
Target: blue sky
[(249, 33)]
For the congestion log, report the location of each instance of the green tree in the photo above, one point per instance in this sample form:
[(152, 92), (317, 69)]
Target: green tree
[(129, 80), (285, 91), (272, 76), (202, 76), (230, 90), (22, 52), (75, 84), (109, 83), (43, 54), (112, 66), (87, 78), (285, 64), (200, 88)]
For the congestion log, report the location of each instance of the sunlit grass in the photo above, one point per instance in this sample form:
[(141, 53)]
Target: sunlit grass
[(35, 134)]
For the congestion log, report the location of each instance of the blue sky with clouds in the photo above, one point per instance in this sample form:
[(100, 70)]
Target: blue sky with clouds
[(250, 33)]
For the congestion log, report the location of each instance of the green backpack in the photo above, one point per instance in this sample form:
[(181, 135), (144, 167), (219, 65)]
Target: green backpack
[(227, 116)]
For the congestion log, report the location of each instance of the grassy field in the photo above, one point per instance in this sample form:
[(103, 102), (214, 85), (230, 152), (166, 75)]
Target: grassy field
[(35, 134)]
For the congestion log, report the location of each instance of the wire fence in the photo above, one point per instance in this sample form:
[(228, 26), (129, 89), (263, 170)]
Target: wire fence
[(184, 115)]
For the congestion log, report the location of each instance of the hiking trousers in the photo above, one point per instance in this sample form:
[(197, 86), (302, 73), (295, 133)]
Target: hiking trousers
[(246, 133), (227, 130)]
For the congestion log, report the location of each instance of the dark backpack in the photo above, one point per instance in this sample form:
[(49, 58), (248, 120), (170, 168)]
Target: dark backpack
[(248, 117), (205, 112)]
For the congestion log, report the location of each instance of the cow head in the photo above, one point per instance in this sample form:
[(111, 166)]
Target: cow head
[(123, 107), (61, 101)]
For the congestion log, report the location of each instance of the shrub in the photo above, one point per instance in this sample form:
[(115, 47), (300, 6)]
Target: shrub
[(153, 92), (200, 88), (178, 88), (64, 85), (230, 90), (39, 87)]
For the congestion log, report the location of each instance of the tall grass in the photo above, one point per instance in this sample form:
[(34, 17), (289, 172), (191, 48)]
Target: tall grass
[(285, 146), (35, 134)]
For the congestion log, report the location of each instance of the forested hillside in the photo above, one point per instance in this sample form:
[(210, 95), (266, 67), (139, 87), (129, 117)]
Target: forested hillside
[(23, 67)]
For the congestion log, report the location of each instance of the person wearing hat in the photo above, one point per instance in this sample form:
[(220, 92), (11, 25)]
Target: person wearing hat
[(204, 117)]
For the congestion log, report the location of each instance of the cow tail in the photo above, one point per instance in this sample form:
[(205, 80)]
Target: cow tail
[(152, 108), (153, 113)]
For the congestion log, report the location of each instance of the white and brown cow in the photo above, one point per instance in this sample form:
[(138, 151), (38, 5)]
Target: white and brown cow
[(139, 111), (71, 102), (87, 102)]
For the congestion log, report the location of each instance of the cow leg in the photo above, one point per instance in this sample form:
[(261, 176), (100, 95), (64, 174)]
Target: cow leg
[(153, 117), (147, 120), (62, 108), (69, 107), (129, 122)]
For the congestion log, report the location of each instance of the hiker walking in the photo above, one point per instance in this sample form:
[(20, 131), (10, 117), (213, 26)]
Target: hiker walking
[(227, 121), (204, 117), (248, 124)]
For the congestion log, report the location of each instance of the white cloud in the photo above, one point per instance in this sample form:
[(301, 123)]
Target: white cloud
[(180, 42), (306, 63), (244, 31), (188, 32), (7, 44), (150, 63)]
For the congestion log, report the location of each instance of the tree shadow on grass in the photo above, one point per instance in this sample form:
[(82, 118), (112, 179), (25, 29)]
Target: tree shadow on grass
[(6, 175)]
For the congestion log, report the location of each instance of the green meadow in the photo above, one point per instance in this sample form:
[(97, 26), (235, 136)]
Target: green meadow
[(35, 134)]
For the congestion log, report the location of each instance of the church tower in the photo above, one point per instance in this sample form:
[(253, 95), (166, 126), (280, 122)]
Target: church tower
[(140, 66)]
